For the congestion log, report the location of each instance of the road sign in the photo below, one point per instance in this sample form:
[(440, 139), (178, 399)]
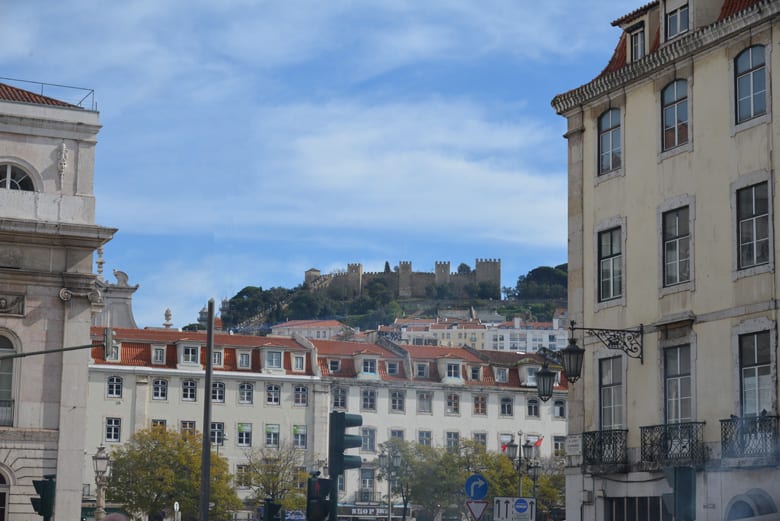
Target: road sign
[(476, 487), (514, 509), (477, 509)]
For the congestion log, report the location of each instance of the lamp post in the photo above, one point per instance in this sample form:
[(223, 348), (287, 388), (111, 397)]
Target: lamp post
[(390, 463), (524, 452), (533, 473), (101, 462)]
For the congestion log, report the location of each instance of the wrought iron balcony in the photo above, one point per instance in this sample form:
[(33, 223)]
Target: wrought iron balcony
[(6, 413), (673, 444), (367, 495), (750, 437), (607, 447)]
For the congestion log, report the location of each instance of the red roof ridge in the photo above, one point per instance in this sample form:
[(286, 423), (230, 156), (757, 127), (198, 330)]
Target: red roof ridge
[(10, 93)]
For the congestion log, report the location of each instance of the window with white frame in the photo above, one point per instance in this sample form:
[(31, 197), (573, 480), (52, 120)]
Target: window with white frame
[(397, 400), (610, 253), (367, 484), (114, 387), (610, 142), (244, 360), (676, 22), (756, 373), (611, 392), (678, 392), (113, 430), (300, 396), (190, 354), (453, 370), (243, 476), (453, 404), (273, 359), (424, 402), (502, 375), (14, 178), (480, 438), (753, 225), (475, 372), (507, 407), (452, 439), (425, 438), (159, 423), (369, 439), (159, 389), (559, 445), (158, 355), (533, 408), (187, 427), (218, 392), (299, 363), (273, 394), (217, 433), (637, 43), (397, 434), (216, 358), (392, 368), (677, 247), (480, 404), (369, 365), (189, 390), (339, 398), (244, 435), (751, 83), (559, 409), (299, 436), (530, 375), (272, 435), (334, 366), (422, 370), (368, 399), (674, 114), (246, 392)]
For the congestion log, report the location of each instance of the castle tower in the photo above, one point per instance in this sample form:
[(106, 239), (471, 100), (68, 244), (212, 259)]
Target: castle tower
[(405, 279), (442, 272), (355, 278), (489, 270)]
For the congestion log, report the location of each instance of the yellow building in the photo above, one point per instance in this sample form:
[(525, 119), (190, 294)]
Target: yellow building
[(671, 226)]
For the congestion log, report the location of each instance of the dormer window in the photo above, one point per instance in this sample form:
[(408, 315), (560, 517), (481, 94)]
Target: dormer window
[(334, 366), (637, 38), (676, 22), (273, 359), (369, 366), (531, 375), (422, 370), (190, 355), (502, 375), (244, 360), (453, 370), (14, 178), (392, 368), (158, 355), (475, 373), (299, 363), (216, 358)]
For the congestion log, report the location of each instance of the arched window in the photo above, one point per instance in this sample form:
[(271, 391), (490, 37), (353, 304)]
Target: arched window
[(674, 113), (750, 78), (6, 384), (4, 490), (559, 409), (14, 178)]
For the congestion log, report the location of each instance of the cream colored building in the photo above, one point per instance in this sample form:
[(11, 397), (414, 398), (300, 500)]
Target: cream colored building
[(671, 225), (47, 295)]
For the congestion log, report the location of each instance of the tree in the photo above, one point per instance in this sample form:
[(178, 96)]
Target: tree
[(437, 480), (398, 469), (464, 269), (156, 467), (275, 472)]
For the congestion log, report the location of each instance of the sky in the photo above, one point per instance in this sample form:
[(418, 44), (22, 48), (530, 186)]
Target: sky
[(247, 141)]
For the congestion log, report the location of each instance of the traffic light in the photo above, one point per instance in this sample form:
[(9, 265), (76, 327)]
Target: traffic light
[(339, 441), (682, 501), (44, 503), (272, 511), (317, 506)]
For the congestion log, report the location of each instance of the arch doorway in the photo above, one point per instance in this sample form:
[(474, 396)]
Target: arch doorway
[(755, 504)]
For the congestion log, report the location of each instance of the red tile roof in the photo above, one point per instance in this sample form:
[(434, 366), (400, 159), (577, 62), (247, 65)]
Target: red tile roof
[(309, 323), (437, 352), (636, 13), (9, 93), (731, 7), (342, 348)]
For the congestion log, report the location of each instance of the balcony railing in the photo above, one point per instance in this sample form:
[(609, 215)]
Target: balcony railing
[(368, 496), (751, 437), (6, 413), (673, 444), (606, 447)]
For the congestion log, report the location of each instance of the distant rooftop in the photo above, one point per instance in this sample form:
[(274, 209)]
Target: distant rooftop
[(40, 93)]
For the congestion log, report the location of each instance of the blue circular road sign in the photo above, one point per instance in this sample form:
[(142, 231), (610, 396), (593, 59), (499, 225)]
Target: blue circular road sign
[(476, 487), (521, 505)]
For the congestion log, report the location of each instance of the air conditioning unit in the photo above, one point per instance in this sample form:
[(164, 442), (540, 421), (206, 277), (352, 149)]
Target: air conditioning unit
[(587, 497)]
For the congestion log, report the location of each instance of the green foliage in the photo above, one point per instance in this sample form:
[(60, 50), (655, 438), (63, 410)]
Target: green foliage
[(158, 466), (276, 473), (464, 269), (543, 282), (194, 327), (253, 300), (531, 312)]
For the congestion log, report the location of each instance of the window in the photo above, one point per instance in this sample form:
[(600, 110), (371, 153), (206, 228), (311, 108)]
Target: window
[(366, 484), (397, 434), (299, 436), (676, 22), (334, 366), (369, 366), (677, 254), (243, 477), (369, 439), (531, 375), (218, 392), (453, 404), (750, 70), (189, 390), (502, 375), (339, 398), (273, 394), (480, 438), (674, 114), (159, 424), (611, 392), (187, 426), (217, 433), (677, 384), (368, 400), (392, 368), (113, 429), (244, 438), (14, 178), (113, 352), (246, 392), (158, 355), (637, 44), (244, 360), (301, 396), (559, 409), (753, 225), (755, 373), (216, 358), (424, 402), (475, 373), (272, 435), (424, 438), (480, 405), (559, 445), (610, 152), (273, 359), (610, 264), (114, 387), (299, 363), (453, 370), (190, 355), (159, 389), (533, 408), (507, 407), (397, 401), (452, 439), (422, 370)]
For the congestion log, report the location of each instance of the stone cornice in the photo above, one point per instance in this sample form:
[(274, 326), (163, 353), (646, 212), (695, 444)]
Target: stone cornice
[(18, 231), (695, 42)]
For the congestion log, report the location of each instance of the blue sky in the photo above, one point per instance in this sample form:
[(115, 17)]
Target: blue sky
[(246, 141)]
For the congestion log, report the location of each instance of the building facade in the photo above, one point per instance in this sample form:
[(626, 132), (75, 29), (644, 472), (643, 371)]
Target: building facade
[(671, 225), (48, 295)]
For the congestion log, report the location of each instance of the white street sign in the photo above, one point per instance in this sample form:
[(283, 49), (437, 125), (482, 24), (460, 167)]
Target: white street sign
[(514, 509), (477, 509)]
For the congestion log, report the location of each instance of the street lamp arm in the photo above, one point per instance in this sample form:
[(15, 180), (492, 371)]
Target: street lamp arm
[(630, 341)]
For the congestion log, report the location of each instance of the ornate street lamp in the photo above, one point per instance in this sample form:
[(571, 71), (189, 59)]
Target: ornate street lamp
[(545, 380), (391, 463), (630, 341), (101, 462)]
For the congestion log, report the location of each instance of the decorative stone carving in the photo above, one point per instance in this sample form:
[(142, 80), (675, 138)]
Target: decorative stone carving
[(93, 295), (62, 162), (12, 304)]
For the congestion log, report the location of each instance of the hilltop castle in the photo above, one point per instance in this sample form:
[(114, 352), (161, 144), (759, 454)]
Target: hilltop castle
[(485, 278)]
